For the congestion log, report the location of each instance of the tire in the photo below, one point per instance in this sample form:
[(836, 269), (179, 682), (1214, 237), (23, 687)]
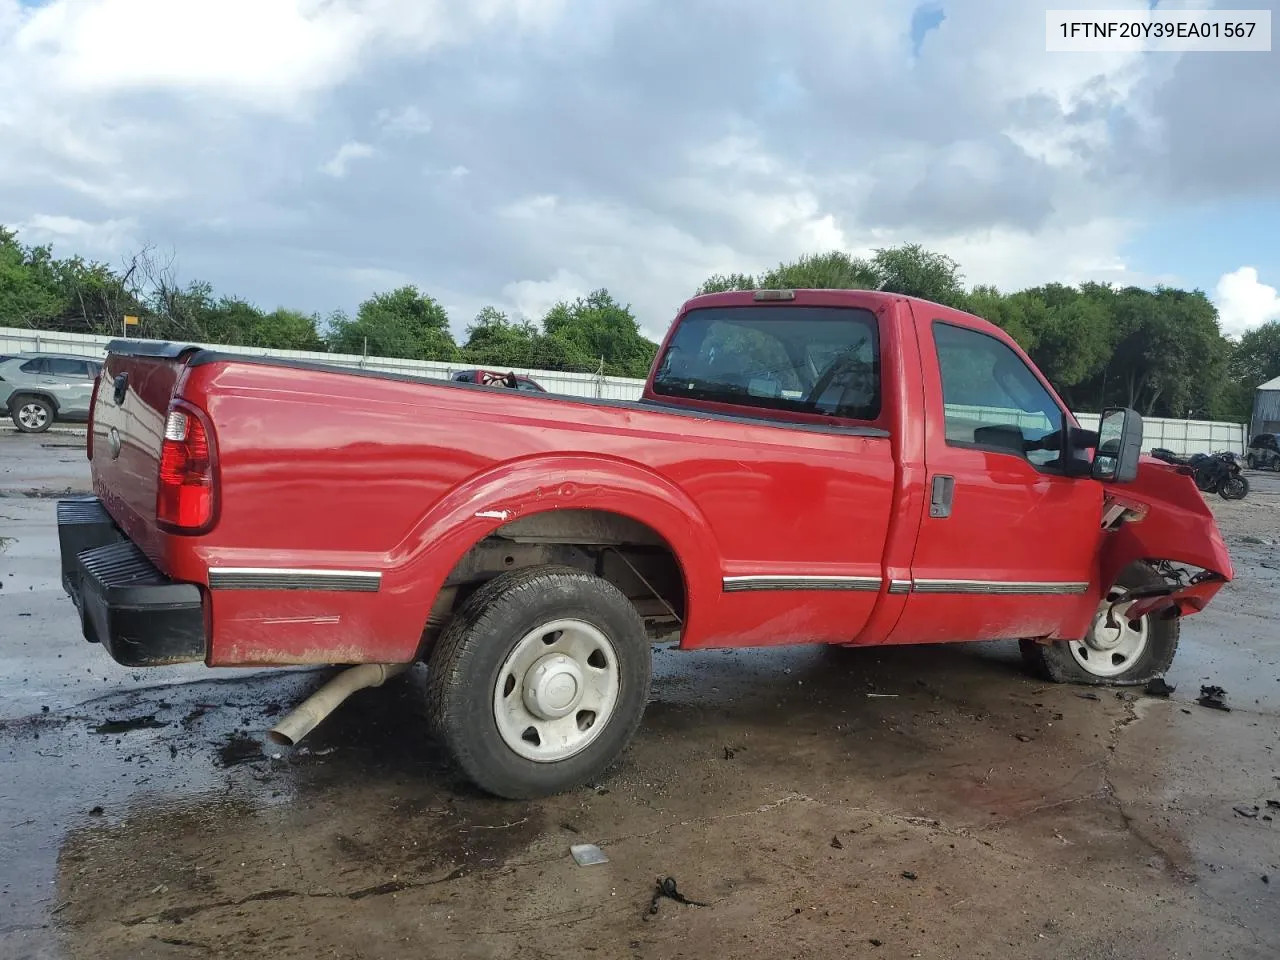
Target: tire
[(32, 414), (1234, 488), (1061, 661), (489, 671)]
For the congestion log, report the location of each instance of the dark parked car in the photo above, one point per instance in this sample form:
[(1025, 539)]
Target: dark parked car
[(1264, 453), (37, 389), (490, 378)]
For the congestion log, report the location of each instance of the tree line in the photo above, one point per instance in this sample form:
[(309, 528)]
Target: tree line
[(1159, 351)]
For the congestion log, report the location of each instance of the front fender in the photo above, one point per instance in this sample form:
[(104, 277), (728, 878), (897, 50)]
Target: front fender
[(476, 508), (1176, 525)]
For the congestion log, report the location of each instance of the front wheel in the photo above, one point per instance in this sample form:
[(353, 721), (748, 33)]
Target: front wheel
[(1234, 488), (32, 414), (539, 682), (1115, 651)]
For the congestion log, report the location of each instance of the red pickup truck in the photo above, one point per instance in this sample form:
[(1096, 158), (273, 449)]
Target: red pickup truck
[(807, 466)]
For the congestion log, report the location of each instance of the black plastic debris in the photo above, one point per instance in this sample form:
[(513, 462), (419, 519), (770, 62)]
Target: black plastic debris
[(1158, 688), (666, 888), (1245, 811), (1088, 696), (148, 722), (96, 812), (1274, 804), (909, 875), (835, 843), (1213, 697)]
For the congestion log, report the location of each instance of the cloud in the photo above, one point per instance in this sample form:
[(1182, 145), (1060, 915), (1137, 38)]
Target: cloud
[(406, 121), (336, 166), (1244, 302), (103, 239), (533, 150)]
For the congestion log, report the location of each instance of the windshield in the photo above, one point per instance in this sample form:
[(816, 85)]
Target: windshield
[(823, 360)]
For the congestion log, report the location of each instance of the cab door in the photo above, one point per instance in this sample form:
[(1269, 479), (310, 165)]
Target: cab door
[(1007, 543)]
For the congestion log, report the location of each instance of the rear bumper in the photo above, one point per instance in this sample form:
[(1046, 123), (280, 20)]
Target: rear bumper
[(143, 618)]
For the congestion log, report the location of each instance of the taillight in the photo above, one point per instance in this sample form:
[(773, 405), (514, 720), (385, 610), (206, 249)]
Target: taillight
[(93, 408), (184, 497)]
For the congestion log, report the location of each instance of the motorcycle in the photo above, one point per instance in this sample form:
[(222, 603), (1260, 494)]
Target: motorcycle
[(1219, 473)]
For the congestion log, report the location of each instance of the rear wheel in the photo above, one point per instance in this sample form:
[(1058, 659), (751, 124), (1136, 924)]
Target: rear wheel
[(32, 414), (1115, 651), (1234, 487), (540, 680)]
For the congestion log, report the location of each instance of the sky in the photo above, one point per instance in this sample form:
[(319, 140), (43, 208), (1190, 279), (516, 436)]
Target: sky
[(307, 153)]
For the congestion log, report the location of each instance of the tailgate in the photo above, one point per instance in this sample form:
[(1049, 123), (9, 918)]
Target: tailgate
[(138, 381)]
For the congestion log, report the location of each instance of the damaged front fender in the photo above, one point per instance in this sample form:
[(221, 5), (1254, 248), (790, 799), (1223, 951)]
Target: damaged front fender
[(1166, 519)]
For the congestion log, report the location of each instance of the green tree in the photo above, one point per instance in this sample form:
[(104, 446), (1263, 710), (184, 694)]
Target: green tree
[(597, 328), (493, 339), (724, 282), (912, 270), (834, 270), (401, 323)]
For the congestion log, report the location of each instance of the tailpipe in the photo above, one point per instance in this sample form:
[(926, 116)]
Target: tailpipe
[(307, 715)]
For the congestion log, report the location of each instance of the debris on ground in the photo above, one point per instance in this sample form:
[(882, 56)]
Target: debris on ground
[(1274, 804), (667, 888), (96, 812), (1023, 737), (1213, 697), (569, 827), (909, 875), (148, 722), (731, 752), (876, 943), (240, 749), (1158, 688), (835, 842), (587, 854), (1088, 696), (1244, 810)]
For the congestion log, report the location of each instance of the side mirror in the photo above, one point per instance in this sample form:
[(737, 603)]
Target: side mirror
[(1119, 446)]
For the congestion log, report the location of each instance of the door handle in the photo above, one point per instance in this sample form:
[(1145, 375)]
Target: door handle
[(941, 492)]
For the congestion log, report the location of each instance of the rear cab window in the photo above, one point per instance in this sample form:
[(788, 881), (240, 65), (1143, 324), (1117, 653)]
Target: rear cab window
[(822, 361), (991, 399)]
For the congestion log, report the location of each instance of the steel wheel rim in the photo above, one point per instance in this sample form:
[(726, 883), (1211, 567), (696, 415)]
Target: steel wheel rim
[(1111, 648), (33, 416), (556, 690)]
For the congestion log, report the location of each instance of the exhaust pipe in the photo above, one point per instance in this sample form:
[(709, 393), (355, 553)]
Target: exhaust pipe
[(305, 717)]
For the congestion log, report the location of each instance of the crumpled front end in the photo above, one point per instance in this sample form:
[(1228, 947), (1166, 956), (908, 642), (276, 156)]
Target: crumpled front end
[(1161, 518)]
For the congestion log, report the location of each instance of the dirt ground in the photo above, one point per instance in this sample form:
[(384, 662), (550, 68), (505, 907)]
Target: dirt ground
[(929, 802)]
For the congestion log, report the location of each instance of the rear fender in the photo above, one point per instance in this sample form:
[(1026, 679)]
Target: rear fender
[(477, 508), (1171, 522)]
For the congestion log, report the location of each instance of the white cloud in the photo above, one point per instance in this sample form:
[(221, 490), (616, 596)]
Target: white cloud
[(406, 121), (74, 236), (336, 166), (1244, 302), (533, 298), (266, 54)]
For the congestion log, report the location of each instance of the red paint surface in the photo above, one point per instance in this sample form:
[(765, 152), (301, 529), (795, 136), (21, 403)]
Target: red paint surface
[(321, 469)]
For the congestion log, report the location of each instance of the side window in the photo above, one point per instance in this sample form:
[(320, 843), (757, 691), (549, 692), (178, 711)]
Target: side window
[(38, 365), (990, 397), (463, 378), (73, 369)]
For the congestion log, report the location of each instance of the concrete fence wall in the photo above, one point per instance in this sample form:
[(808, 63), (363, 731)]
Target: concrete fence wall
[(1180, 436)]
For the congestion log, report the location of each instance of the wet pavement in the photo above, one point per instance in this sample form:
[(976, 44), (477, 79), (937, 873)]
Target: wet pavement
[(928, 802)]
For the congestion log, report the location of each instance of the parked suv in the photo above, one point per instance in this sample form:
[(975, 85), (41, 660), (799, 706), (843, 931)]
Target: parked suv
[(1264, 453), (37, 389)]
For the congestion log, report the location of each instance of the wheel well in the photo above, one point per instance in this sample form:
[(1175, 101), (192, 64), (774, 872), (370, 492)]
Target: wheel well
[(629, 554), (21, 394)]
